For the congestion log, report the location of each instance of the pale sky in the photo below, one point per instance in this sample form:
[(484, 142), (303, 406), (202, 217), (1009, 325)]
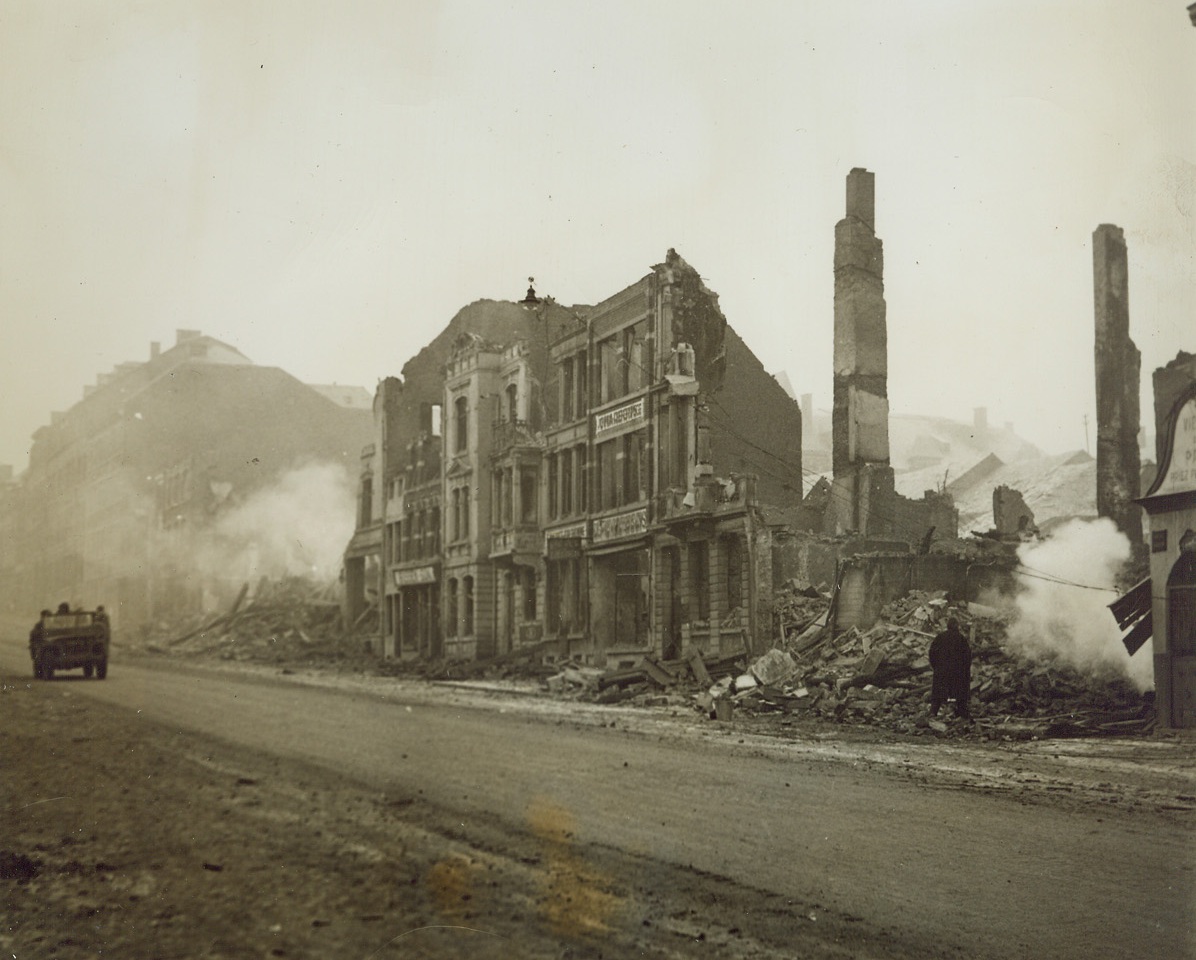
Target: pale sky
[(323, 185)]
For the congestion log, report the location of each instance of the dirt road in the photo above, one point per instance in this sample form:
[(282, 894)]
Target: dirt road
[(566, 832)]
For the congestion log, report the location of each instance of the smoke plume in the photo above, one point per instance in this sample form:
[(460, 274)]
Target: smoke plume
[(1062, 621), (297, 527)]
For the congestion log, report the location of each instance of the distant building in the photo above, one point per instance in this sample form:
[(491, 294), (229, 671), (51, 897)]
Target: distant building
[(119, 485)]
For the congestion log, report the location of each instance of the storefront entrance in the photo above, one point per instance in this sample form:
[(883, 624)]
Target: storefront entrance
[(620, 590)]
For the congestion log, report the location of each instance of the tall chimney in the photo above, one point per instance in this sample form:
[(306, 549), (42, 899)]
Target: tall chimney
[(1118, 370), (863, 478)]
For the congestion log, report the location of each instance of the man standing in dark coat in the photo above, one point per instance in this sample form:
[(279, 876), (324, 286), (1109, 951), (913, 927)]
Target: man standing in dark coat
[(951, 660)]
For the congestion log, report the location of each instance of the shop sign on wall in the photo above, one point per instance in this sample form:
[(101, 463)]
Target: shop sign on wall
[(632, 524), (630, 415), (417, 575), (573, 530)]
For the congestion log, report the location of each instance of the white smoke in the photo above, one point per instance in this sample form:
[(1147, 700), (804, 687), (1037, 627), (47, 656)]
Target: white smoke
[(1065, 621), (297, 527)]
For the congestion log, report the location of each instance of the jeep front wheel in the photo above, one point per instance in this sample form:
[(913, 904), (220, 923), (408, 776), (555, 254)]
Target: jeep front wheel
[(102, 669)]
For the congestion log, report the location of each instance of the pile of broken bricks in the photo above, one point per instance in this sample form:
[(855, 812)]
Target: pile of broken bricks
[(280, 621), (881, 677)]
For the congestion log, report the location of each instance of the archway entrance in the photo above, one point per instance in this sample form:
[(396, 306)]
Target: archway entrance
[(1181, 638)]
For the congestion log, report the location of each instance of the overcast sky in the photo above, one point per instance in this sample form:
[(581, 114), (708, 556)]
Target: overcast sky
[(323, 185)]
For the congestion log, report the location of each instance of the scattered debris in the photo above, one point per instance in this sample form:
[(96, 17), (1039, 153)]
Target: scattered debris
[(879, 677)]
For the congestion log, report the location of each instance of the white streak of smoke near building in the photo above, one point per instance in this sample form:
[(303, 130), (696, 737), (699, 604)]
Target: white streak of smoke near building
[(298, 527), (1055, 620)]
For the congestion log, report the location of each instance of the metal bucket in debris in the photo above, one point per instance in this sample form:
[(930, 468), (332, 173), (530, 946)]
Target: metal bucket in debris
[(724, 710)]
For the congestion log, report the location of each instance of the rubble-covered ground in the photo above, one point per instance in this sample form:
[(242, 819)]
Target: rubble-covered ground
[(877, 678)]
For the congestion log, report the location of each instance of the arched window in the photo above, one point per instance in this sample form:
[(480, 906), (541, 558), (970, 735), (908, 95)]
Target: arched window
[(1181, 605), (512, 402)]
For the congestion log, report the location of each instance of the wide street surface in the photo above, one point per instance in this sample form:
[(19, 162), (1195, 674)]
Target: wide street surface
[(973, 871)]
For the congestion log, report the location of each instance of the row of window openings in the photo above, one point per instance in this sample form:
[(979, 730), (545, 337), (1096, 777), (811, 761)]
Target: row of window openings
[(459, 602), (417, 538), (621, 479), (624, 366), (620, 476)]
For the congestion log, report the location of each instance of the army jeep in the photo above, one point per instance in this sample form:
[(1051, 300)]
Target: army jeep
[(64, 641)]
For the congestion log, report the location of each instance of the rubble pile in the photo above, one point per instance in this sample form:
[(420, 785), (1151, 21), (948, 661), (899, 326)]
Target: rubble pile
[(881, 677), (798, 608), (290, 620)]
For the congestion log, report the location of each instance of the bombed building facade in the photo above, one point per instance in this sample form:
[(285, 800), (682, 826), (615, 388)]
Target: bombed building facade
[(585, 476), (123, 489)]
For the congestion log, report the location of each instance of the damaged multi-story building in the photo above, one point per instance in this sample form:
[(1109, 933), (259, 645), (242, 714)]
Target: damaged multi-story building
[(588, 476), (124, 489)]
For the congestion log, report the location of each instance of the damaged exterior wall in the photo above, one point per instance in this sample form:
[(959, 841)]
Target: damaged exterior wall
[(1011, 516), (394, 562), (612, 462), (1118, 366), (123, 489)]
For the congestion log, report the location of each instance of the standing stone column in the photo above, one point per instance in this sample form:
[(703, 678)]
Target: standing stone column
[(863, 490), (1118, 369)]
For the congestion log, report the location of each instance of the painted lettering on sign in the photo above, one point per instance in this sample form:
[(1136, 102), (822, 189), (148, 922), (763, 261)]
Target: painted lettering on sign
[(576, 530), (632, 413), (631, 524), (408, 578), (1181, 470)]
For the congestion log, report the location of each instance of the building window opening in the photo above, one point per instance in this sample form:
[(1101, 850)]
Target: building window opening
[(451, 612), (527, 495), (461, 406), (579, 453), (512, 402), (583, 400), (608, 475), (699, 572), (567, 388), (634, 486), (733, 550), (467, 599), (552, 485), (566, 483), (529, 594), (367, 501)]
